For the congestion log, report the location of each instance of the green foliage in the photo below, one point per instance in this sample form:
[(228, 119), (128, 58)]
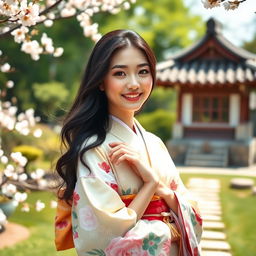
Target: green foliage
[(250, 46), (159, 122), (50, 97), (30, 152), (161, 98)]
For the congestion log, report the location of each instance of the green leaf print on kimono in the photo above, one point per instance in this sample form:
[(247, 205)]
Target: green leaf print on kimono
[(98, 252), (150, 244), (193, 219), (127, 192)]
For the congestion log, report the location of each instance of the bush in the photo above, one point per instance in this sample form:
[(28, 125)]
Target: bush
[(30, 152), (159, 122)]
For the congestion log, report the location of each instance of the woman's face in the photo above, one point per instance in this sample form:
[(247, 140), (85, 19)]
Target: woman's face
[(128, 82)]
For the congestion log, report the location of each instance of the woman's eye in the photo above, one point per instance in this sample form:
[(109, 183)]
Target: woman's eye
[(144, 71), (119, 73)]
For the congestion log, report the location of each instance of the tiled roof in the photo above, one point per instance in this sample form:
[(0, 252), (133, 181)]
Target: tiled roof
[(206, 72), (182, 68)]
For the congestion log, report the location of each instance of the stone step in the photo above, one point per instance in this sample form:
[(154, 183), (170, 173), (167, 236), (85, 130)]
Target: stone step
[(215, 253), (213, 235), (205, 163), (220, 151), (204, 190), (211, 218), (215, 245), (213, 225), (205, 157)]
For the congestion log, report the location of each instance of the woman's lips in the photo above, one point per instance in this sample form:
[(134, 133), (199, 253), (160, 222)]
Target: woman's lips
[(132, 97)]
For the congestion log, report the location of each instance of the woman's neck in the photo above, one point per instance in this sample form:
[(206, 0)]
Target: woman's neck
[(127, 119)]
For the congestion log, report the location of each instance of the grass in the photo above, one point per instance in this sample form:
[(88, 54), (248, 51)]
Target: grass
[(239, 211)]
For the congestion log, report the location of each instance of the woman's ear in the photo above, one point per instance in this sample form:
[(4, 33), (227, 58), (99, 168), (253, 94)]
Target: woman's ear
[(101, 87)]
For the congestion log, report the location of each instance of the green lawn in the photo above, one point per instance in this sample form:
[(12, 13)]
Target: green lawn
[(239, 211)]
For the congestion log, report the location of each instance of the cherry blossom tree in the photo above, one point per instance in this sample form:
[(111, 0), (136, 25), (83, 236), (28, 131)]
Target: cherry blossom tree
[(227, 4), (20, 17), (20, 20)]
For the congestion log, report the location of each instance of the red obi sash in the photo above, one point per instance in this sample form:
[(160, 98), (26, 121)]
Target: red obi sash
[(156, 210), (63, 225)]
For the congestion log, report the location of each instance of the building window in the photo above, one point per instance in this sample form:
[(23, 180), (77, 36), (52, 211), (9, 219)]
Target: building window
[(210, 109)]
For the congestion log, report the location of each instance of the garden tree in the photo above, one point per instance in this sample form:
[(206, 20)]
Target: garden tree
[(250, 45), (50, 96), (166, 25)]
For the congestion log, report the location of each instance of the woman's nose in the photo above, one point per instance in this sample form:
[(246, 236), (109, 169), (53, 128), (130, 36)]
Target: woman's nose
[(133, 82)]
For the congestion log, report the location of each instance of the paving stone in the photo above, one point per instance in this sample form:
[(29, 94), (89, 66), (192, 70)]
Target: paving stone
[(213, 235), (211, 218), (209, 204), (213, 225), (241, 183), (210, 212), (215, 245), (215, 253)]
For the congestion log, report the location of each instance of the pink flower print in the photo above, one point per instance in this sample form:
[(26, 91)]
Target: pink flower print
[(125, 247), (173, 185), (61, 225), (76, 198), (105, 167), (75, 235), (113, 186), (167, 246), (87, 219)]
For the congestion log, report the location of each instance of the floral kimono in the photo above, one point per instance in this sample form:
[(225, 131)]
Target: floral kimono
[(103, 225)]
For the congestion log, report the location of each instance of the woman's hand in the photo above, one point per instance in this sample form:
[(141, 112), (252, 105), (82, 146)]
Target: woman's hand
[(122, 152)]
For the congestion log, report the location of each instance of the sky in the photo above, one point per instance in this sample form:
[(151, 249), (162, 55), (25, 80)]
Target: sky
[(238, 25)]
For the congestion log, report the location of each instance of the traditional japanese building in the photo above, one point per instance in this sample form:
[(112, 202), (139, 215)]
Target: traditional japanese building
[(213, 79)]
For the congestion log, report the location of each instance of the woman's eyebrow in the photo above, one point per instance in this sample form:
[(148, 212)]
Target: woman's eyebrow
[(125, 66)]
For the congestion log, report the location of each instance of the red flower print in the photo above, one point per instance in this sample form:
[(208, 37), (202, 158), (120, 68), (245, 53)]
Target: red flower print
[(62, 224), (173, 185), (198, 218), (195, 252), (76, 198), (113, 186), (105, 167), (75, 235)]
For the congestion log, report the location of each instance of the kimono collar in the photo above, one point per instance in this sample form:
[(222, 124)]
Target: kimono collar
[(124, 133)]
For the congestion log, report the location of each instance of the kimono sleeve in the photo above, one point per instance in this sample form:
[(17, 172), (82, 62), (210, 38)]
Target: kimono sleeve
[(98, 213), (188, 219)]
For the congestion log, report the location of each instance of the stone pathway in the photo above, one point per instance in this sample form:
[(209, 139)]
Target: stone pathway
[(213, 241), (13, 234)]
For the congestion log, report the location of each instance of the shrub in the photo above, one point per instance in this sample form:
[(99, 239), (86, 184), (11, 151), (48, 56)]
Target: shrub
[(159, 122), (30, 152)]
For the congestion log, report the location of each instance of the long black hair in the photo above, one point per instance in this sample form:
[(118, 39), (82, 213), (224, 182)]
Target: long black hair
[(89, 115)]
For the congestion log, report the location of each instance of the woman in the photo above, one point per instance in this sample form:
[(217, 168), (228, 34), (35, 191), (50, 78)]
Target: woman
[(127, 196)]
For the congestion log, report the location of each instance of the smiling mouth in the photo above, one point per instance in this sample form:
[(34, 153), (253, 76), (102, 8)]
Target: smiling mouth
[(132, 97)]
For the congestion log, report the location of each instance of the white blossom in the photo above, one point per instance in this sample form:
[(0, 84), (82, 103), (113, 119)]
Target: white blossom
[(38, 133), (23, 177), (20, 34), (5, 68), (33, 48), (48, 23), (30, 14), (20, 197), (9, 84), (9, 189), (58, 52), (4, 159), (37, 174), (19, 158), (39, 205)]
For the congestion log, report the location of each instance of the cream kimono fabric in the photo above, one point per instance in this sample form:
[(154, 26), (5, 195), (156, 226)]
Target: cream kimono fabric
[(103, 225)]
